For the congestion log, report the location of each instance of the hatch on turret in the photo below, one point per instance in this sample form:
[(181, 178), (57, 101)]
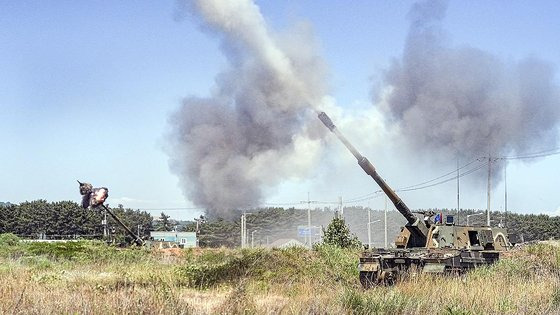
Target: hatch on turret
[(481, 238)]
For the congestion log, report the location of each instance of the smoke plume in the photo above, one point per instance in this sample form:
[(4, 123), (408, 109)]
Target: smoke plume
[(451, 101), (251, 133)]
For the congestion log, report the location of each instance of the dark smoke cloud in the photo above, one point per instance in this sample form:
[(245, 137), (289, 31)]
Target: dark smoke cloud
[(228, 147), (462, 101)]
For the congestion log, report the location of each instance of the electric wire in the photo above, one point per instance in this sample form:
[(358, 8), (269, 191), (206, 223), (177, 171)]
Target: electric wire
[(533, 155), (442, 176), (409, 188), (446, 180), (170, 209), (422, 185)]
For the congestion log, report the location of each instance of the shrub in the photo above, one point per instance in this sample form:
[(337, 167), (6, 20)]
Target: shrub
[(340, 262), (338, 234), (8, 239), (65, 250), (219, 267)]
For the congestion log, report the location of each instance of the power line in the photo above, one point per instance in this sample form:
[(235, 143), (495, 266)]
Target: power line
[(532, 155), (409, 188), (350, 200), (171, 209), (442, 176), (544, 153), (281, 204), (446, 180), (362, 200), (418, 186)]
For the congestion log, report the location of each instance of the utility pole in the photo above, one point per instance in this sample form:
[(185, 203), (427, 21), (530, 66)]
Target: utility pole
[(253, 238), (139, 230), (243, 230), (458, 208), (198, 221), (505, 193), (369, 227), (385, 220), (309, 202), (137, 238), (309, 218), (340, 207), (105, 232), (489, 190)]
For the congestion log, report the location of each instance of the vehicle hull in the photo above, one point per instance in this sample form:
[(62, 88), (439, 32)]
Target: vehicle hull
[(387, 266)]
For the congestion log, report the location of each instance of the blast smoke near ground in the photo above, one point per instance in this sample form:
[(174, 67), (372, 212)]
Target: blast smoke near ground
[(461, 101), (254, 131), (227, 147)]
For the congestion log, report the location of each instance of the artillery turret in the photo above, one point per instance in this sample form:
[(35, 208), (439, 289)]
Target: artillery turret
[(423, 245)]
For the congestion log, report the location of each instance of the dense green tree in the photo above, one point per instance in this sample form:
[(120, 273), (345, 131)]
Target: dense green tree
[(338, 234), (164, 223), (64, 219)]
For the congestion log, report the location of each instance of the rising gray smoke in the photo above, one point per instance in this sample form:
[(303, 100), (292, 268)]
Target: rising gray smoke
[(227, 147), (465, 101)]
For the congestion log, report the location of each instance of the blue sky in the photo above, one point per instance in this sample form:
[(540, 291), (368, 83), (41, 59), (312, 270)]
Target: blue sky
[(86, 89)]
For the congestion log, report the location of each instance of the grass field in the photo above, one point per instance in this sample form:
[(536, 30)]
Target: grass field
[(93, 278)]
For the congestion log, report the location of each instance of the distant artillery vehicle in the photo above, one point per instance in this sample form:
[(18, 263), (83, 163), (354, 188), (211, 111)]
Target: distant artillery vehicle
[(427, 245), (95, 197)]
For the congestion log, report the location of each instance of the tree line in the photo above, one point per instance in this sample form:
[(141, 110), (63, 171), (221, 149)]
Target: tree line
[(274, 223), (67, 219)]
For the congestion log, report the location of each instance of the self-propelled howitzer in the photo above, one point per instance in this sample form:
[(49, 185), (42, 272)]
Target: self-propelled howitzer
[(429, 246), (417, 228)]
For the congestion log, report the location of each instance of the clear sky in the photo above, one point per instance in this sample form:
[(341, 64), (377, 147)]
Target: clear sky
[(86, 88)]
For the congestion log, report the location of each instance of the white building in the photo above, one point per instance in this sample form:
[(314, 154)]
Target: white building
[(183, 239)]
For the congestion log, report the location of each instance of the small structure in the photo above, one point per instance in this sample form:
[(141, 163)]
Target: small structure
[(286, 243), (182, 239)]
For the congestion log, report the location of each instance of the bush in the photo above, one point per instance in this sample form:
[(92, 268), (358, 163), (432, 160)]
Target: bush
[(8, 239), (219, 267), (338, 234), (340, 262), (67, 250), (86, 251), (10, 246), (546, 254)]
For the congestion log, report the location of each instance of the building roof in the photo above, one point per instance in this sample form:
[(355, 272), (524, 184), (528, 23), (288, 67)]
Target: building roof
[(171, 233), (286, 242)]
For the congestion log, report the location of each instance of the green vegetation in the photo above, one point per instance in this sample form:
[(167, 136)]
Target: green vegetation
[(92, 277), (163, 223), (338, 234), (282, 223), (66, 219)]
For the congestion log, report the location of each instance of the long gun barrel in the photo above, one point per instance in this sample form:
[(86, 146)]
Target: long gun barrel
[(95, 197), (136, 238), (366, 165)]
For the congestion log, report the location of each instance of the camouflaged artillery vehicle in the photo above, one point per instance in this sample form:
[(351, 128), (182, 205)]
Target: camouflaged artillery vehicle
[(93, 198), (424, 245)]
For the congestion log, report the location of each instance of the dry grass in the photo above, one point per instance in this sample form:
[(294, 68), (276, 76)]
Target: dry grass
[(264, 282)]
